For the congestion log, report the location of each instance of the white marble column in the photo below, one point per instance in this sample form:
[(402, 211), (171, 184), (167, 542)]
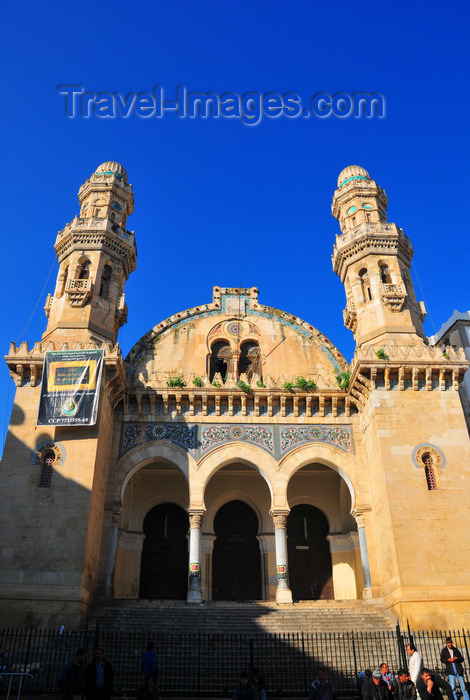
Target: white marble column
[(116, 514), (358, 515), (283, 592), (194, 588)]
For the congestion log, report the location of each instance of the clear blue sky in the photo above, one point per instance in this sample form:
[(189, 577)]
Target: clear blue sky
[(219, 202)]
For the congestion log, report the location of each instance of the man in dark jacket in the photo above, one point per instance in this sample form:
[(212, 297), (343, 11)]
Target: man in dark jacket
[(322, 688), (429, 686), (72, 677), (375, 688), (244, 690), (99, 677), (453, 659), (403, 687)]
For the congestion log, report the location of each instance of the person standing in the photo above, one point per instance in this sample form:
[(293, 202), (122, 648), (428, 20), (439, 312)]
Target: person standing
[(259, 682), (322, 688), (453, 659), (149, 664), (429, 686), (99, 677), (72, 677), (415, 662)]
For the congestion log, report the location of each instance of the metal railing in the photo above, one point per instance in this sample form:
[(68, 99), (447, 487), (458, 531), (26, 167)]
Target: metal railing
[(16, 684), (208, 665)]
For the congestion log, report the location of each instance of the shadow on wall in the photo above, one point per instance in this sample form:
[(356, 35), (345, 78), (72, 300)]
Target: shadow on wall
[(43, 528)]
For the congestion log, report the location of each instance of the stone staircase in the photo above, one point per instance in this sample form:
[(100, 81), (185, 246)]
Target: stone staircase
[(201, 649), (175, 617)]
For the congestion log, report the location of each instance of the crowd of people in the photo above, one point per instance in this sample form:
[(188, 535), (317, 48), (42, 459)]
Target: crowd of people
[(417, 682), (95, 680)]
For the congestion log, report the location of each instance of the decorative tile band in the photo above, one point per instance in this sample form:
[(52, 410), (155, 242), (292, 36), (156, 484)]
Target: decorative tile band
[(200, 438)]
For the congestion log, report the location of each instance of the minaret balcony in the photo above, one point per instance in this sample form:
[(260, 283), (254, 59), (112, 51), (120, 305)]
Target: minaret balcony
[(78, 291), (350, 316), (393, 296)]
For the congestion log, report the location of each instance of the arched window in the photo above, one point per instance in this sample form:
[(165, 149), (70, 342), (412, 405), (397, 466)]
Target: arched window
[(429, 472), (85, 270), (105, 281), (249, 362), (365, 284), (47, 470), (220, 360)]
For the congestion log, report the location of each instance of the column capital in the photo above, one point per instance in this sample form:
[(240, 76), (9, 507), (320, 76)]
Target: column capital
[(280, 518), (358, 513), (195, 518), (116, 514)]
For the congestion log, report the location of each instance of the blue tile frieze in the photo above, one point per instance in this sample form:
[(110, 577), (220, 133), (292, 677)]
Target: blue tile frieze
[(199, 438)]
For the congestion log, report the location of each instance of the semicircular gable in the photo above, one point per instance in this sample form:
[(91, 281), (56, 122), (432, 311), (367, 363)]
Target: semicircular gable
[(229, 307)]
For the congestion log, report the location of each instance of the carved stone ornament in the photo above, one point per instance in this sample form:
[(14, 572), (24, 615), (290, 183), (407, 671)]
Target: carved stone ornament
[(37, 455), (350, 316), (420, 452), (393, 296), (280, 520), (195, 520)]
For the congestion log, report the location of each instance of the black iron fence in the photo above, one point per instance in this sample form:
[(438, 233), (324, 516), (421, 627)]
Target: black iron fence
[(208, 665)]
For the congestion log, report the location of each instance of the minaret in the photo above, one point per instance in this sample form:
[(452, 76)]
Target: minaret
[(373, 257), (96, 255)]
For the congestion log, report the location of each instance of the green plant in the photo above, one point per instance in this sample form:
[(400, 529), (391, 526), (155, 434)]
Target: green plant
[(197, 381), (381, 354), (244, 386), (260, 384), (304, 384), (446, 354), (343, 379), (216, 384), (287, 385), (176, 381)]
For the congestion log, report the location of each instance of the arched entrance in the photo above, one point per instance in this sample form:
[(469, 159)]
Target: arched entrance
[(310, 576), (236, 566), (164, 568)]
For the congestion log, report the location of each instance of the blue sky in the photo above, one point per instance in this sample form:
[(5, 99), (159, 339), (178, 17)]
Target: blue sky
[(217, 201)]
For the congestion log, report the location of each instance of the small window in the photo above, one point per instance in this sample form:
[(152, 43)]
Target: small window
[(385, 274), (85, 270), (105, 281), (365, 284), (429, 472), (47, 470)]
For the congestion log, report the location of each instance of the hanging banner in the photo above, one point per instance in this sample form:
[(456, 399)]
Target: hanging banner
[(70, 387)]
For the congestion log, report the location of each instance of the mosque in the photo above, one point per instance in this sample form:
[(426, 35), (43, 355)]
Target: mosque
[(235, 455)]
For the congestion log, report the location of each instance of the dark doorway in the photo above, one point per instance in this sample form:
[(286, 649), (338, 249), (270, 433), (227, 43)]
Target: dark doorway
[(310, 572), (236, 563), (164, 568)]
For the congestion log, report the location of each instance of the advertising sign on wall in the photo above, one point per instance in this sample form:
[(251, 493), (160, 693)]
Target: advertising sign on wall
[(70, 387)]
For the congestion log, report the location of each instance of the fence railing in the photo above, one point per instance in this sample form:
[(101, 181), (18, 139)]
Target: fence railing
[(197, 665), (16, 685)]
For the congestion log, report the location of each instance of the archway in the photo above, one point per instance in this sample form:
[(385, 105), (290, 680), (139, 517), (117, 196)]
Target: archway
[(322, 540), (164, 567), (311, 576), (236, 568)]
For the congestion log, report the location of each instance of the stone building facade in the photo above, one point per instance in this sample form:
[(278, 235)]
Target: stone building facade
[(236, 454)]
